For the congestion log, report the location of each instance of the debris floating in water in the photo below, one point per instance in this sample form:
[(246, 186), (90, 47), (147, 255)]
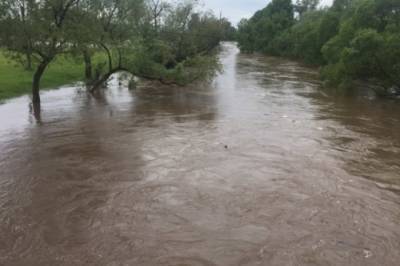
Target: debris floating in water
[(367, 253)]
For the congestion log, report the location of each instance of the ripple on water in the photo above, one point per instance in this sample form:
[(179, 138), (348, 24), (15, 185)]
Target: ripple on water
[(259, 168)]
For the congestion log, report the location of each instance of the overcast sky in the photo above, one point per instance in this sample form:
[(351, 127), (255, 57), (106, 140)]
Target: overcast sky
[(235, 10)]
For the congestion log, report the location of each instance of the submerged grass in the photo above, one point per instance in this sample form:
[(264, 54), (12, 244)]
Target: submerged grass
[(16, 81)]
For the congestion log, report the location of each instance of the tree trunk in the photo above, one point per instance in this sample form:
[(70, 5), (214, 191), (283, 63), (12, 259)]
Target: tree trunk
[(102, 79), (36, 81), (36, 111), (88, 66), (28, 61), (110, 64)]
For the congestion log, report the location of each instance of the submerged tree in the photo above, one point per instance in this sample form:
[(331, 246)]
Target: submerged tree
[(42, 34), (148, 45), (148, 38)]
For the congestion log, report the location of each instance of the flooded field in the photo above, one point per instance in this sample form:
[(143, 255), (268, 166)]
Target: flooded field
[(261, 167)]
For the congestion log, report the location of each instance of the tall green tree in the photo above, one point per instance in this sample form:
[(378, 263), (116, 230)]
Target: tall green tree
[(352, 40), (366, 46), (40, 33), (258, 33)]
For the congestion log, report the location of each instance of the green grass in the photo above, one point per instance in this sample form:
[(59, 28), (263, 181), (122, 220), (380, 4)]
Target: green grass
[(15, 81)]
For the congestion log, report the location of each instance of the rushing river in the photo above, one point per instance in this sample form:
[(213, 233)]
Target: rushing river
[(261, 167)]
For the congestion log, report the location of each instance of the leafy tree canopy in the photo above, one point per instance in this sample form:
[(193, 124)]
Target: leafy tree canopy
[(152, 39), (352, 40)]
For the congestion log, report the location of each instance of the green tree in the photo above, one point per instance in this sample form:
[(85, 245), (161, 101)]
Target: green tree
[(352, 40), (366, 46), (258, 33), (154, 41), (42, 35)]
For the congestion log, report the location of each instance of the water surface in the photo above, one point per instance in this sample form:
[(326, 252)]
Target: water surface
[(261, 167)]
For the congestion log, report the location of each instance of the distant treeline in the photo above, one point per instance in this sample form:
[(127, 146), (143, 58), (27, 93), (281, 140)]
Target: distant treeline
[(353, 40)]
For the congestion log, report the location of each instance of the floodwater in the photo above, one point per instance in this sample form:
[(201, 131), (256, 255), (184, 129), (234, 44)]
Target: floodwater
[(261, 167)]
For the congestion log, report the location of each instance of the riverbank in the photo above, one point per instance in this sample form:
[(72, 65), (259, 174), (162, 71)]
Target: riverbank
[(16, 81)]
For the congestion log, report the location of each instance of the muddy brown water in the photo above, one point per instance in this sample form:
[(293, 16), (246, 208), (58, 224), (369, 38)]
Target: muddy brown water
[(261, 167)]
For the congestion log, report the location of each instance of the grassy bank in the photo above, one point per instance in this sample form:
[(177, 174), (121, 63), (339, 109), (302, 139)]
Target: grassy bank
[(15, 81)]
